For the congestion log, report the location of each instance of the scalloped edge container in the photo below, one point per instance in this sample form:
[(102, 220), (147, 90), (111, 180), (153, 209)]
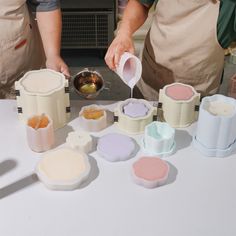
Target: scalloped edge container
[(162, 146), (179, 113), (64, 185), (55, 103), (42, 139), (80, 140), (215, 135), (148, 183), (92, 125), (132, 125)]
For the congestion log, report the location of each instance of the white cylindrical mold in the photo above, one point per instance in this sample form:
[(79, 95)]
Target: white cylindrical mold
[(216, 129), (43, 91)]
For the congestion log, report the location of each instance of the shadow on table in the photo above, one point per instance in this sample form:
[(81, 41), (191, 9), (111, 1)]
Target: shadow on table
[(7, 165), (173, 172), (94, 172), (183, 139), (18, 185), (61, 135)]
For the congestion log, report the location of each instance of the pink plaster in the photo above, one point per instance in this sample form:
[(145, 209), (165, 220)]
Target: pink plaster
[(151, 168), (179, 92)]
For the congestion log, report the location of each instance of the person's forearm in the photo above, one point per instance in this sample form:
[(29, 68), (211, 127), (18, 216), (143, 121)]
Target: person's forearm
[(134, 16), (50, 24)]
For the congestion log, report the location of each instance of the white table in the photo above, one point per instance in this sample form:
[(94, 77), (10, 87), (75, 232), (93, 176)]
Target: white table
[(198, 200)]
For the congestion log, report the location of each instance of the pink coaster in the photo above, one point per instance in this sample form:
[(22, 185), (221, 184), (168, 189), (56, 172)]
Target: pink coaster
[(150, 172)]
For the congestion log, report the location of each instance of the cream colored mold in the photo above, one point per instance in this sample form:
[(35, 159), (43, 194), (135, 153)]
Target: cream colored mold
[(133, 125), (179, 113), (43, 91)]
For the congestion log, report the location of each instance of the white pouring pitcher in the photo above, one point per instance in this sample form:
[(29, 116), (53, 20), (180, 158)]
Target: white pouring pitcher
[(129, 70)]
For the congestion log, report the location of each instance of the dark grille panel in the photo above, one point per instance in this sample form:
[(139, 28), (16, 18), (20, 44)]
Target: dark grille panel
[(85, 30)]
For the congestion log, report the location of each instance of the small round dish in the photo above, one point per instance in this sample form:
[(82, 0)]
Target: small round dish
[(63, 169)]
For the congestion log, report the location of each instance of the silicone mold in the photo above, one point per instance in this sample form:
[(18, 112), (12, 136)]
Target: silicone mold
[(41, 139), (91, 124), (80, 141), (134, 114), (63, 169), (43, 91), (179, 103), (159, 139), (115, 147), (216, 129), (150, 172)]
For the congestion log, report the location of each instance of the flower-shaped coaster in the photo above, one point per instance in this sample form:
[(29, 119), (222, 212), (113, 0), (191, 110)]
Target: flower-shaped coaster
[(216, 129), (159, 139), (93, 118), (179, 104), (116, 147), (63, 169), (43, 91), (134, 114), (150, 172), (80, 141)]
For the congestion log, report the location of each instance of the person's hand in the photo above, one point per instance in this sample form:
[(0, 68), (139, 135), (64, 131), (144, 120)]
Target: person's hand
[(56, 63), (122, 43)]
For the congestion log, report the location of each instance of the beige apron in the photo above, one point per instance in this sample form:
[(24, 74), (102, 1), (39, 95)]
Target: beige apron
[(182, 46), (20, 44)]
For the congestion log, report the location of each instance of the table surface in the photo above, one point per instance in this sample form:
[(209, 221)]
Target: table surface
[(199, 198)]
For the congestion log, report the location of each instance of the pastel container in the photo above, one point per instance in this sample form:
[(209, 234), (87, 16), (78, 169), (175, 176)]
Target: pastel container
[(133, 115), (216, 128), (159, 139), (93, 125), (43, 91), (150, 172), (79, 140), (179, 102), (41, 139), (232, 87), (63, 169)]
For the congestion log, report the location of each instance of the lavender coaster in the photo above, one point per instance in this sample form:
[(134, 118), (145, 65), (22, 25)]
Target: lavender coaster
[(116, 147)]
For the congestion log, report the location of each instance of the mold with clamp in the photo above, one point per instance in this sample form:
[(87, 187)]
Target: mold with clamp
[(159, 139), (43, 91), (216, 128), (132, 115), (179, 104)]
